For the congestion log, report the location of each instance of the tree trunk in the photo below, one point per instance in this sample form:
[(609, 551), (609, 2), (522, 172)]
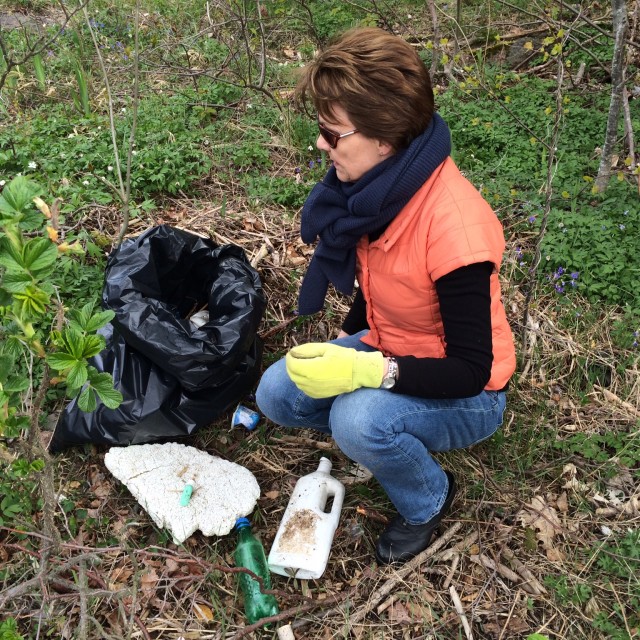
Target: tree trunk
[(620, 27)]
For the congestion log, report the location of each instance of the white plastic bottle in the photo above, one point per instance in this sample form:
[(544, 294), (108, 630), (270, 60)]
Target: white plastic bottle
[(303, 543)]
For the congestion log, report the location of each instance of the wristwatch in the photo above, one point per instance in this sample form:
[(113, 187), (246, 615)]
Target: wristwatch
[(389, 381)]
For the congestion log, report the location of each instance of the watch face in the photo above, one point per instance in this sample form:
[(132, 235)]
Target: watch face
[(388, 383)]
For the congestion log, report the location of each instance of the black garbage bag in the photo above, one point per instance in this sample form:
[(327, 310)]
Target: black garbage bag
[(174, 377)]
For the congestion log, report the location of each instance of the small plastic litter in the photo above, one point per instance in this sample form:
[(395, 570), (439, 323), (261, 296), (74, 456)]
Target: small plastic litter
[(199, 318), (187, 492), (302, 544), (158, 474), (246, 417)]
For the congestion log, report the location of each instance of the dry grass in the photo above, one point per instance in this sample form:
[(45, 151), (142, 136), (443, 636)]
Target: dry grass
[(525, 510)]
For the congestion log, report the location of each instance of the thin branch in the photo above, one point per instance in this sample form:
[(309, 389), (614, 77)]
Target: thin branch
[(620, 28), (38, 47), (134, 122), (548, 188)]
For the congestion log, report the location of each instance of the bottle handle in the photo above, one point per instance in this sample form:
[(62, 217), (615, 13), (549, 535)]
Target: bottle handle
[(338, 497)]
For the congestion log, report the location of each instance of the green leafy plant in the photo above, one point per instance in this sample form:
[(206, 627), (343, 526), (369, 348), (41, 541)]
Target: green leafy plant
[(29, 255), (76, 343), (9, 630), (19, 489), (602, 448), (619, 559), (609, 269)]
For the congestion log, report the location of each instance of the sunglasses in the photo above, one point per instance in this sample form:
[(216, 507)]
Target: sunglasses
[(331, 137)]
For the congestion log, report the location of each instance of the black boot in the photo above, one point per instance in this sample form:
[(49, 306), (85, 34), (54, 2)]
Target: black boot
[(401, 541)]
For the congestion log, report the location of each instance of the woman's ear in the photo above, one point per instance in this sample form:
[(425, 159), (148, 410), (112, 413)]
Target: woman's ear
[(384, 149)]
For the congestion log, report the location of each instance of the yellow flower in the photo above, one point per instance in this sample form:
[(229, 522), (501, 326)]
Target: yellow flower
[(528, 46), (52, 233), (565, 194)]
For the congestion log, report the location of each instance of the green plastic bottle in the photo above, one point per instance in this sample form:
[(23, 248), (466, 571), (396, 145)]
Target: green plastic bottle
[(250, 554)]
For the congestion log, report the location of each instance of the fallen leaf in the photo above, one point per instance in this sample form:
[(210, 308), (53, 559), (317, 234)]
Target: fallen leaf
[(119, 577), (563, 503), (399, 613), (554, 554), (543, 518), (272, 495), (172, 566), (149, 580), (202, 612), (421, 612)]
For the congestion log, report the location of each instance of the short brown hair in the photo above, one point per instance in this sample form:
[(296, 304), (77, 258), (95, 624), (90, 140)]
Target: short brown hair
[(377, 78)]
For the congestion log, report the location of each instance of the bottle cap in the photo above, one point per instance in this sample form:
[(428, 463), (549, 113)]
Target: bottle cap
[(241, 523)]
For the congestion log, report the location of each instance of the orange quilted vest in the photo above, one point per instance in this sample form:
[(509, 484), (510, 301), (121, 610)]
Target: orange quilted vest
[(446, 225)]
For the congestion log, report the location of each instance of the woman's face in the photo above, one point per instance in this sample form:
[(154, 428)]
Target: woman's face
[(355, 154)]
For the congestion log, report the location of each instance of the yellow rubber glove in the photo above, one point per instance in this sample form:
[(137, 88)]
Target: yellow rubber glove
[(323, 370)]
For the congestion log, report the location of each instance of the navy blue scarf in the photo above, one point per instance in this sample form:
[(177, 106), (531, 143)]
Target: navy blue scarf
[(340, 213)]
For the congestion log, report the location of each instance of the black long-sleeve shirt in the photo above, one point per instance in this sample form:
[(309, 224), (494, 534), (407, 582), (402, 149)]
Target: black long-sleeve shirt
[(465, 307)]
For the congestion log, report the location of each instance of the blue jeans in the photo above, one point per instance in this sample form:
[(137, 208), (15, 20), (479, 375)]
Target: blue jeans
[(390, 434)]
